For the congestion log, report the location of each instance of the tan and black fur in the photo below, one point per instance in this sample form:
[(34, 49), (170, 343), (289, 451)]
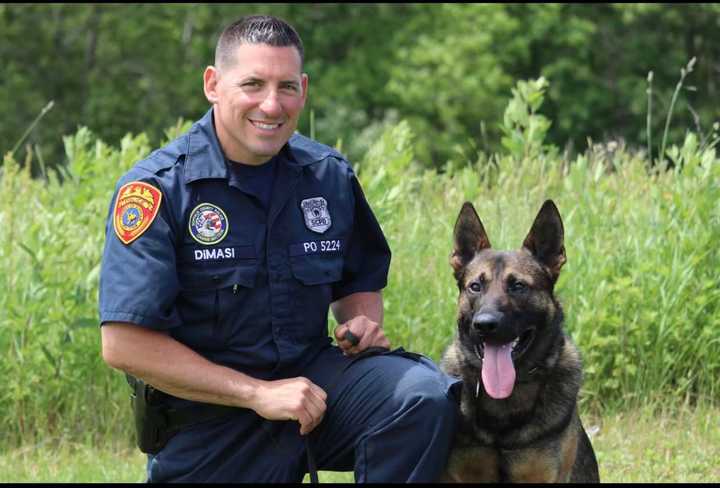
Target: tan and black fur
[(529, 430)]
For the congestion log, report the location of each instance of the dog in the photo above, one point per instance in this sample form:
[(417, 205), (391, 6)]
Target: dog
[(521, 372)]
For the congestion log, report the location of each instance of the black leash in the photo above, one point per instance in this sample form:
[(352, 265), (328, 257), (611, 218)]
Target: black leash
[(312, 467), (371, 351)]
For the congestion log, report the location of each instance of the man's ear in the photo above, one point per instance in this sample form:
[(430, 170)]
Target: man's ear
[(545, 240), (304, 82), (210, 79), (470, 238)]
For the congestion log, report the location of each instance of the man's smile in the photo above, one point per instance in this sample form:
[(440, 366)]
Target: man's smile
[(266, 126)]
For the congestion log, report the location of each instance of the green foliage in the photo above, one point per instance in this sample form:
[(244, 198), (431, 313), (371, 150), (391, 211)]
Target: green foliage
[(445, 68), (448, 78), (639, 289), (525, 130), (640, 286), (54, 376)]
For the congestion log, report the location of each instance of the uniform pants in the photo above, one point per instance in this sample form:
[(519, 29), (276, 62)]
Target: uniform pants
[(389, 418)]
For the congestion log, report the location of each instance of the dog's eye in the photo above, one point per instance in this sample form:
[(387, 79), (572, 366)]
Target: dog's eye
[(476, 286), (516, 286)]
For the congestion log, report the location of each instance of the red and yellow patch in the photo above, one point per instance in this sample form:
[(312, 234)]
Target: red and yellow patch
[(136, 206)]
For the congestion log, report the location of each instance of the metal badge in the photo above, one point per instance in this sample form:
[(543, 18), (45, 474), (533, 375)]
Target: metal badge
[(317, 216)]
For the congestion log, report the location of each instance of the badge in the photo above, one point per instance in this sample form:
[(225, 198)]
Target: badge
[(136, 206), (208, 224), (317, 217)]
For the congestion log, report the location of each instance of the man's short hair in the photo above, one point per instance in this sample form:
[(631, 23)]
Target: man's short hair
[(256, 29)]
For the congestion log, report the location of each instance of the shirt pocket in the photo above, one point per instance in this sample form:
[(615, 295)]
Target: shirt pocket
[(318, 269), (312, 292), (208, 295)]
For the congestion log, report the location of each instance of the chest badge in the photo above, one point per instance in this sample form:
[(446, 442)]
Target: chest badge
[(317, 216), (136, 207), (208, 224)]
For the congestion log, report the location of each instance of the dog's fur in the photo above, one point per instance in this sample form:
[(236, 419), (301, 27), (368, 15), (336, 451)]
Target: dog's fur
[(520, 421)]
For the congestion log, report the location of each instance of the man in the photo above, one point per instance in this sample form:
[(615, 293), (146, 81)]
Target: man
[(224, 251)]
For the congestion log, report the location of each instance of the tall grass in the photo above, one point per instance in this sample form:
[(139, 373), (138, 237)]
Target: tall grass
[(640, 288)]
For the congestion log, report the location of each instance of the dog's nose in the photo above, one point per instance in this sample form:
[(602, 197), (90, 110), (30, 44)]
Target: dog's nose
[(487, 322)]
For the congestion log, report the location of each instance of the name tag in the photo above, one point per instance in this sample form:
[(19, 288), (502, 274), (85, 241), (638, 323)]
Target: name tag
[(316, 247), (214, 254), (217, 254)]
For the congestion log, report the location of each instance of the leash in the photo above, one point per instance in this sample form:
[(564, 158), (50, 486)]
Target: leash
[(312, 467), (370, 351)]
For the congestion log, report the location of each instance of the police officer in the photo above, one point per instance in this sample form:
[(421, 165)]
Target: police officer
[(224, 251)]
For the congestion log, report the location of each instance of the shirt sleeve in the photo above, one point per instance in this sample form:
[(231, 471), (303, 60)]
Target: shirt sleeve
[(138, 280), (367, 258)]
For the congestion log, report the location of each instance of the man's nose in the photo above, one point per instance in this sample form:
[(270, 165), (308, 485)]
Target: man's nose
[(271, 104)]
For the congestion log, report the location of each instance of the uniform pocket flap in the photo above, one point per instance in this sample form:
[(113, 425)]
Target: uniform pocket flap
[(317, 269), (204, 277)]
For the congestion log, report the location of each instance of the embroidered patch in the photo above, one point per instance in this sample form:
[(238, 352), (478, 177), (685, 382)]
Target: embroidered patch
[(136, 206), (208, 224), (317, 216)]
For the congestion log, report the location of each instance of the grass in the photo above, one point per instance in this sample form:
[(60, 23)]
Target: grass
[(639, 289), (57, 461), (660, 445), (649, 444)]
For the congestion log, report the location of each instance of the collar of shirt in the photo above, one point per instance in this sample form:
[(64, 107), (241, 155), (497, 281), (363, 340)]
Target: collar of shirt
[(255, 180), (204, 157)]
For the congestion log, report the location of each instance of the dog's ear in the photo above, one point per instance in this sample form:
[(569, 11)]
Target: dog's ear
[(545, 240), (470, 238)]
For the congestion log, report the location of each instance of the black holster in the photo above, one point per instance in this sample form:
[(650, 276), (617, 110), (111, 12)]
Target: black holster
[(156, 421), (150, 412)]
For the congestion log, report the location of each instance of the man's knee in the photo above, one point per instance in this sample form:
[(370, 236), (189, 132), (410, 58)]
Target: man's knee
[(428, 394), (412, 438)]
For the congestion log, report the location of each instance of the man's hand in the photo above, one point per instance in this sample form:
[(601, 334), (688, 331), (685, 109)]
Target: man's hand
[(174, 368), (365, 333), (360, 314), (291, 399)]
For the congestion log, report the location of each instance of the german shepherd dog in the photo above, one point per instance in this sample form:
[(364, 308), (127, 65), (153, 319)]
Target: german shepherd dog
[(521, 373)]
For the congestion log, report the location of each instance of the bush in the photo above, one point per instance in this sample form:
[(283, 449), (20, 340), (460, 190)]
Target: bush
[(639, 289)]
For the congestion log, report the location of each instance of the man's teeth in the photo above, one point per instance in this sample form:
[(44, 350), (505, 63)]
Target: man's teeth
[(265, 126)]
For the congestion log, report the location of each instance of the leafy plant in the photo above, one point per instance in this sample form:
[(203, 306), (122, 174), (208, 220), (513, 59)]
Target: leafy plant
[(639, 289), (524, 129)]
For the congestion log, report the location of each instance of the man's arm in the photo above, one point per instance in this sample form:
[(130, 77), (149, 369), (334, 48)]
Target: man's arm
[(172, 367), (362, 314)]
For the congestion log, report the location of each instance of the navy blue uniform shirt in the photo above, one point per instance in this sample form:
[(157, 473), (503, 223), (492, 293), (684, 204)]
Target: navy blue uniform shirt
[(244, 286)]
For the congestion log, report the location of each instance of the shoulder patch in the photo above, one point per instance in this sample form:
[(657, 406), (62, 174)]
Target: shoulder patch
[(136, 206)]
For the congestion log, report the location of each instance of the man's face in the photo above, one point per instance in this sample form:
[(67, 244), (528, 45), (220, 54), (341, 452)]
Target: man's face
[(257, 100)]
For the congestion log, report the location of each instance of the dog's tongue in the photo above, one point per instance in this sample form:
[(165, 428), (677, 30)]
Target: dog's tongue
[(498, 372)]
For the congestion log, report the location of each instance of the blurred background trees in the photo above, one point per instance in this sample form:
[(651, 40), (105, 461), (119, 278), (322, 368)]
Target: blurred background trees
[(447, 69)]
